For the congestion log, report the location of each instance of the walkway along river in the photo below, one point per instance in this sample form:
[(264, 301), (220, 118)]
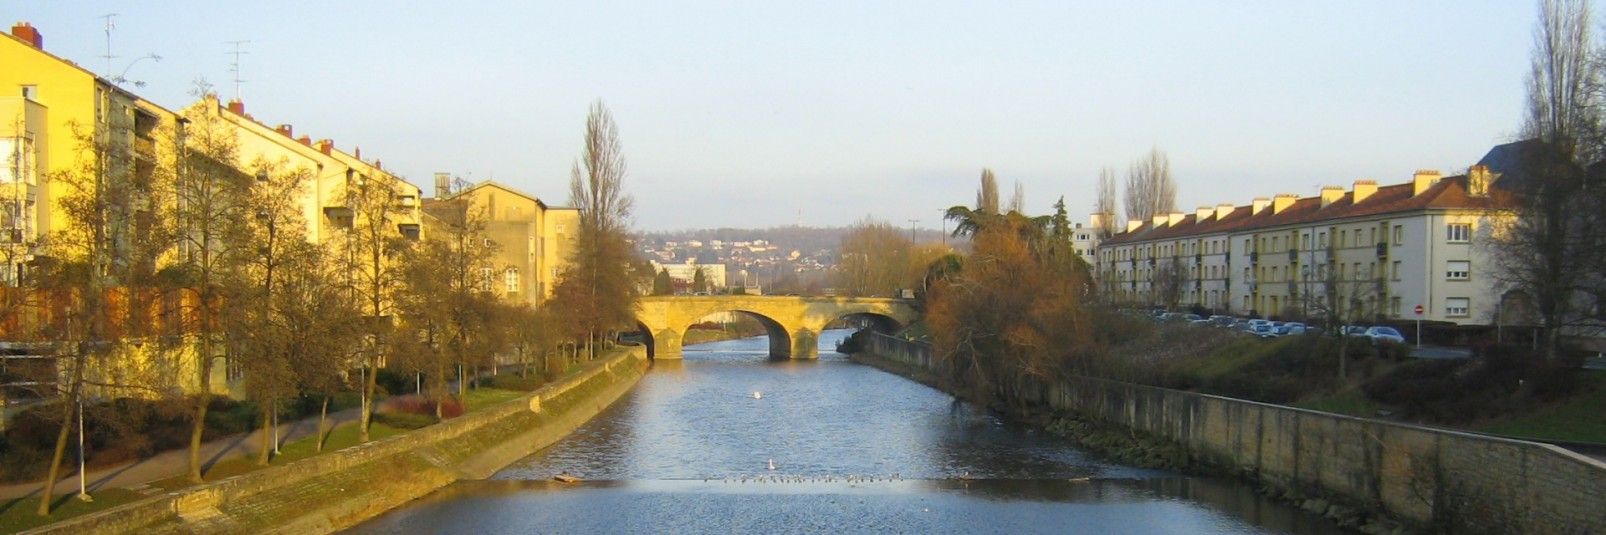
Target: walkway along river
[(729, 441)]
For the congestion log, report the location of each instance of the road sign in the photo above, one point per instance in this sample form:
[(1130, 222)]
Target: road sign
[(1419, 310)]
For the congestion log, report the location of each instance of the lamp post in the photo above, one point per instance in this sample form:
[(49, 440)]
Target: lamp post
[(912, 230)]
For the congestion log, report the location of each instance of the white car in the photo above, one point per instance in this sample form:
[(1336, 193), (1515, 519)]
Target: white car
[(1379, 333)]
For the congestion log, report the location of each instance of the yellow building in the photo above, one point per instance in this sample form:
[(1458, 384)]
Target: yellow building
[(534, 240), (56, 117), (329, 170)]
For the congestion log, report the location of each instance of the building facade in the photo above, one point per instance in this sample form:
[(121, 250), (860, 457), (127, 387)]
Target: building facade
[(534, 240), (1366, 252), (58, 118)]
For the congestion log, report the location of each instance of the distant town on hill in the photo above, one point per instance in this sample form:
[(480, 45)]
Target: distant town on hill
[(789, 259)]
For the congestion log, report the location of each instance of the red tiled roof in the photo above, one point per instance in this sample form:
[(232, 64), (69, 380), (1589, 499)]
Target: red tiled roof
[(1448, 193)]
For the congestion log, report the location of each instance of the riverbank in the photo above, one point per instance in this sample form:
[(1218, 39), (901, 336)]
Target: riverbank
[(336, 490), (1336, 465)]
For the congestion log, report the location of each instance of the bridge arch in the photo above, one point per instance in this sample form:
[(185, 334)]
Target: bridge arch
[(792, 323)]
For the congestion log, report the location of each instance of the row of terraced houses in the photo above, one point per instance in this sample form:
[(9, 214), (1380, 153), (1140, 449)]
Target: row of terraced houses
[(1369, 251), (57, 118)]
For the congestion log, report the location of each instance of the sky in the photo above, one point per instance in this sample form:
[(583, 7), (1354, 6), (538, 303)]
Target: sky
[(757, 114)]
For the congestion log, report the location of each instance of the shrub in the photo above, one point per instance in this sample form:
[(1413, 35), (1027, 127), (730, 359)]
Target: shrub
[(394, 382), (402, 420)]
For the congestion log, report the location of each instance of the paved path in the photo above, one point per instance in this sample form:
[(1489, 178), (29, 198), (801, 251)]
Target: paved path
[(136, 474)]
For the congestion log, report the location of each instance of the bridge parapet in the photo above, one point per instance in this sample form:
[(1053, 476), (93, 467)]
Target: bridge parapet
[(793, 323)]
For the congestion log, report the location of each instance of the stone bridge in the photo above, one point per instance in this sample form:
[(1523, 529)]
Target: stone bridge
[(792, 323)]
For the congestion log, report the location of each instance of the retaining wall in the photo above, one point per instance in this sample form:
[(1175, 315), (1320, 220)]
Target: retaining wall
[(339, 489), (1431, 477)]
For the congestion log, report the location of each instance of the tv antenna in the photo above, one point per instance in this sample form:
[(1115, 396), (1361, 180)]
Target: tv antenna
[(110, 25), (234, 67), (122, 77)]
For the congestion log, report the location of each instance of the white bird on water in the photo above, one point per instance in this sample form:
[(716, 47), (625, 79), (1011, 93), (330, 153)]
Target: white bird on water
[(758, 395), (772, 464)]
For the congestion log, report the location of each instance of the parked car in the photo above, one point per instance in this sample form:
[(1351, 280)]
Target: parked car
[(1380, 333), (1263, 330), (1292, 328)]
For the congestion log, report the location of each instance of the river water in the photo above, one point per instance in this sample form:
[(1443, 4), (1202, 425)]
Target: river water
[(730, 441)]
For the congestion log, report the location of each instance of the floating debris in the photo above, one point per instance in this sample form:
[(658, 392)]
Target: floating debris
[(566, 478)]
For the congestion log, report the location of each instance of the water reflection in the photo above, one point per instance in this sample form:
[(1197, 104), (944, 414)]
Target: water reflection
[(854, 448)]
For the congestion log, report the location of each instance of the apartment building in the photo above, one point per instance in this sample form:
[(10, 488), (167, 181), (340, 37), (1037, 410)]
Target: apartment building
[(329, 172), (1367, 251), (56, 118), (534, 240)]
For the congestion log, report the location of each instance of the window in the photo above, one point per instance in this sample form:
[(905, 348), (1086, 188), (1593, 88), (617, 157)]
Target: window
[(1458, 232), (1305, 242), (1371, 236), (510, 280), (1343, 238), (1457, 306), (1396, 270), (1399, 234), (1321, 239), (1458, 270), (1394, 304), (485, 279)]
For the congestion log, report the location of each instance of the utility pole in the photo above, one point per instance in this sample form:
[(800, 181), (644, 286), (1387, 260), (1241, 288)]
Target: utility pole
[(912, 230)]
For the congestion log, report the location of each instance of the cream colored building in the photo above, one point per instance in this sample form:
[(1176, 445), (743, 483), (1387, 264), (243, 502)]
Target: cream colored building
[(535, 240), (1376, 250), (330, 171), (685, 273)]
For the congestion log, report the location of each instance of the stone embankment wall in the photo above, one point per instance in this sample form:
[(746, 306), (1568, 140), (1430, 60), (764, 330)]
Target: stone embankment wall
[(339, 489), (1431, 477)]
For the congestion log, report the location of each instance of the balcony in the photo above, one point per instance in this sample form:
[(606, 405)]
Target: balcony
[(1254, 257), (1382, 250), (1293, 255)]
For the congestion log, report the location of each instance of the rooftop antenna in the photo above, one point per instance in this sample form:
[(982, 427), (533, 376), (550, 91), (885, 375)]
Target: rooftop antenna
[(234, 67), (110, 25)]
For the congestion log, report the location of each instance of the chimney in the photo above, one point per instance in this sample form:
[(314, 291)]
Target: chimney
[(1422, 180), (28, 34), (1258, 205), (1158, 220), (1202, 213), (443, 185), (285, 130), (1223, 210), (326, 146), (1282, 201), (1174, 218), (1097, 220), (1364, 188), (1331, 194), (1478, 180), (236, 106), (305, 140), (1133, 224), (356, 152)]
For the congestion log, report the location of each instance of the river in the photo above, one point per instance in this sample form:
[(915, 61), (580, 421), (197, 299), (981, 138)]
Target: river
[(729, 441)]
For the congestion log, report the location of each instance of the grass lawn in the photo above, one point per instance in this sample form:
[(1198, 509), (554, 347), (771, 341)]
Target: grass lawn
[(18, 514), (1581, 419), (480, 398), (1352, 402)]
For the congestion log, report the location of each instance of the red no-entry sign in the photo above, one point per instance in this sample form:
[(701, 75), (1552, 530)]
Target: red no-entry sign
[(1419, 310)]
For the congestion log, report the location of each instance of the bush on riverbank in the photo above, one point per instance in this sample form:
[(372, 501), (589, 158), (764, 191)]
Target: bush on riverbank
[(1501, 381)]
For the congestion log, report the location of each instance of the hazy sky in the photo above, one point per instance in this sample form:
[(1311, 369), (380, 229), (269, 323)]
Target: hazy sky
[(756, 113)]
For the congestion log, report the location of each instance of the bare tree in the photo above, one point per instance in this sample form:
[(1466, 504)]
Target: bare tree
[(1150, 190), (1170, 282), (598, 289), (987, 194), (1104, 205), (1547, 247), (1017, 200)]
